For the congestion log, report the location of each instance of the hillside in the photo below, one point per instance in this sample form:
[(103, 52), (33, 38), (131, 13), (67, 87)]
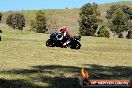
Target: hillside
[(104, 7), (67, 17)]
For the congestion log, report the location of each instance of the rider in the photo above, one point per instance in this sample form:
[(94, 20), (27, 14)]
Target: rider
[(65, 33)]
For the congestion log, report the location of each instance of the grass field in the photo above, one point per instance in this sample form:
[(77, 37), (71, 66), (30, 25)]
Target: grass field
[(25, 61)]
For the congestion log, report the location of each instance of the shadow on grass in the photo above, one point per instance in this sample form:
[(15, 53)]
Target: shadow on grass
[(4, 83), (107, 72), (58, 76)]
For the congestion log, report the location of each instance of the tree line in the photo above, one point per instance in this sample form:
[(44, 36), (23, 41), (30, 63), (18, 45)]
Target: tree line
[(119, 19), (17, 21)]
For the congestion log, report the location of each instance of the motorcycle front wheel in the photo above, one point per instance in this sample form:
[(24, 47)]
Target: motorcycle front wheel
[(78, 45), (75, 45)]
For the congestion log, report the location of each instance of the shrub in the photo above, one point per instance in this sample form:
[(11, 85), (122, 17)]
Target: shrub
[(40, 22), (32, 26), (129, 35), (103, 32), (9, 20), (0, 31), (0, 17), (0, 36), (16, 21), (120, 35)]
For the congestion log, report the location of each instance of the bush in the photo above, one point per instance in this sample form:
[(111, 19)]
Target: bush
[(9, 20), (40, 22), (32, 26), (103, 32), (129, 35), (0, 17), (0, 36), (88, 23), (0, 31), (16, 21), (120, 35)]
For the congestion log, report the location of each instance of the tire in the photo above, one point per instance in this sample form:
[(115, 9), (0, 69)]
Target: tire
[(50, 43), (75, 45), (78, 45)]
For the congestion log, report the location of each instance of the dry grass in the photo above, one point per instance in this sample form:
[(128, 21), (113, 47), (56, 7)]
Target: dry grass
[(25, 61), (67, 17)]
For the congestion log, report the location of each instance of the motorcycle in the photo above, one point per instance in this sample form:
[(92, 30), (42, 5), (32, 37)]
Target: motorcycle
[(57, 40)]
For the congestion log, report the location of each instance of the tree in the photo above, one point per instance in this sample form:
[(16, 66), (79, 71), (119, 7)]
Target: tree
[(103, 32), (88, 22), (40, 22), (0, 17), (127, 10), (119, 22), (111, 11), (16, 21)]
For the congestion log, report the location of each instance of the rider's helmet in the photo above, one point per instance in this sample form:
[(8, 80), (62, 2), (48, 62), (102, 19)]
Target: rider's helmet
[(59, 36), (63, 29)]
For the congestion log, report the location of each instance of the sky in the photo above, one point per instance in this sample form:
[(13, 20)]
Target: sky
[(14, 5)]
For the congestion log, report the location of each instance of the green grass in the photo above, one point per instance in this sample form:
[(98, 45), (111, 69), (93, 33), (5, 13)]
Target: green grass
[(25, 61)]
